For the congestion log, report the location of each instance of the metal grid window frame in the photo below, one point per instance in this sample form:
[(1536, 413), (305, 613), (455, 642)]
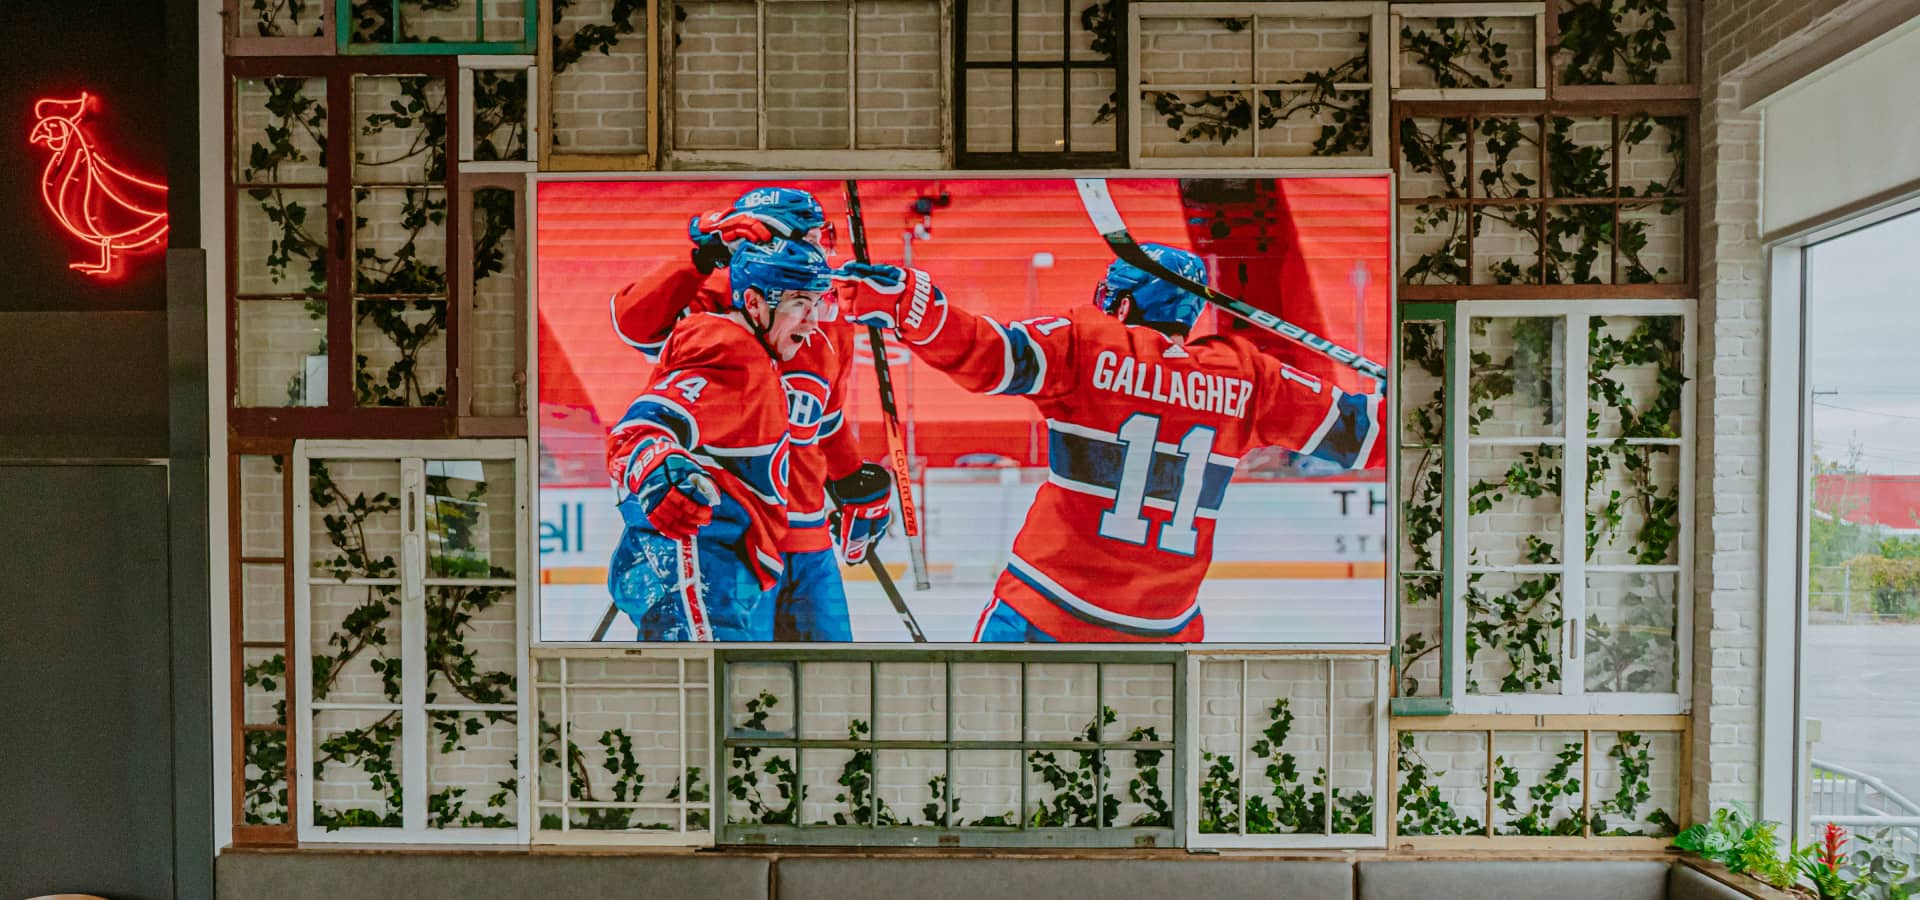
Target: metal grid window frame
[(730, 737), (1066, 65), (344, 42)]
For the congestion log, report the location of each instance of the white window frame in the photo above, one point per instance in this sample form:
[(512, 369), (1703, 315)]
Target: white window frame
[(1195, 771), (852, 156), (690, 660), (1535, 11), (1379, 52), (1573, 698), (471, 64), (415, 733)]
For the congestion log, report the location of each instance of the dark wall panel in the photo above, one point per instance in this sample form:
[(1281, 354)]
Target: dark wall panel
[(83, 385), (85, 729)]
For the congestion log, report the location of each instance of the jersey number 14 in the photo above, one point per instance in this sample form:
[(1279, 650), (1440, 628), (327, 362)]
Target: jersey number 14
[(1139, 437)]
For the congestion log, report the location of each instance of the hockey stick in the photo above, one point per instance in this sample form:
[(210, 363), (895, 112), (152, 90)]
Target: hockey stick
[(606, 621), (1107, 221), (885, 578), (896, 438)]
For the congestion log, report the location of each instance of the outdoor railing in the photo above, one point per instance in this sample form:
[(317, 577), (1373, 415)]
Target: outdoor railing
[(1865, 806)]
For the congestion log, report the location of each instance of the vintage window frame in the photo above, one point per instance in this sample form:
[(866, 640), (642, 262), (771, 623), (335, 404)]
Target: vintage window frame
[(1383, 671), (958, 65), (761, 157), (1537, 11), (464, 144), (1588, 725), (517, 424), (1684, 288), (238, 43), (726, 737), (1441, 703), (529, 35), (1572, 698), (238, 645), (342, 416), (1691, 32), (551, 160), (413, 745), (689, 659), (1381, 46)]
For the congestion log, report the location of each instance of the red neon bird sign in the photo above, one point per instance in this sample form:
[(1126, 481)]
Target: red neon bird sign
[(94, 200)]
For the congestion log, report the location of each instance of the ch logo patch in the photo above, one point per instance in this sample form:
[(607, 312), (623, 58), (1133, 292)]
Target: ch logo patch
[(806, 405)]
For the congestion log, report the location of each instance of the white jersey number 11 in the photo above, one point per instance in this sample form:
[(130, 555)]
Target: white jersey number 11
[(1139, 435)]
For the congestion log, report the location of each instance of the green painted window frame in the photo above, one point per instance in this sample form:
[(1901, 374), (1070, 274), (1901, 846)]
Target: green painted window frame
[(1442, 705), (343, 34), (728, 736)]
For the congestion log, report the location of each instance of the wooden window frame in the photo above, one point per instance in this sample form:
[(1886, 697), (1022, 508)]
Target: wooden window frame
[(461, 257), (237, 560), (1380, 51), (850, 157), (1587, 725), (463, 158), (1689, 90), (1537, 11), (1015, 158), (529, 35), (551, 160), (342, 416), (238, 43)]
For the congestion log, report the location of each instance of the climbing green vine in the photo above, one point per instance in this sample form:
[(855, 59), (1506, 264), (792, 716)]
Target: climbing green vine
[(282, 18), (1458, 52), (626, 784), (1292, 806), (1632, 758), (1614, 41), (745, 767), (410, 323), (1221, 116), (1423, 807), (1423, 346), (499, 104), (1541, 817)]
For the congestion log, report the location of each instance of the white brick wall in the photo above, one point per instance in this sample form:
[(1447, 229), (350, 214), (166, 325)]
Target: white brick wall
[(599, 103), (899, 74), (715, 101)]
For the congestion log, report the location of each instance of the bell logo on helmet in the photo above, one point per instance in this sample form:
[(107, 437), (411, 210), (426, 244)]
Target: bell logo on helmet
[(762, 197)]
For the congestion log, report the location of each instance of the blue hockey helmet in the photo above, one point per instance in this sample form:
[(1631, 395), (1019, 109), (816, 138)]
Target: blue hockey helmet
[(1157, 302), (776, 267), (789, 213)]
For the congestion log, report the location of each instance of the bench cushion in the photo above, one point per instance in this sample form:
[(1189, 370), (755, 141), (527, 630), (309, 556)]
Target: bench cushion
[(1688, 883), (326, 875), (1559, 880), (802, 878)]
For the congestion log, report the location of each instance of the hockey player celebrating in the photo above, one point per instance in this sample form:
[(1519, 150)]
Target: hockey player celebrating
[(1144, 430), (700, 461), (810, 600)]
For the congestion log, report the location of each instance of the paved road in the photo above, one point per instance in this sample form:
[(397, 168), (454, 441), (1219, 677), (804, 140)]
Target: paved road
[(1863, 683)]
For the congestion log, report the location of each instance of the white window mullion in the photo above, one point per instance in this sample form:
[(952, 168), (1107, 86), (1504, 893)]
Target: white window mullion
[(1573, 511), (302, 672), (413, 644), (1456, 456)]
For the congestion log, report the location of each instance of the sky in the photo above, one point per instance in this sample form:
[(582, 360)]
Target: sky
[(1863, 346)]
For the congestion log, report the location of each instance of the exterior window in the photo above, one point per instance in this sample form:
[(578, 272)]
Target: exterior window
[(435, 26), (802, 83), (1233, 85), (1038, 83)]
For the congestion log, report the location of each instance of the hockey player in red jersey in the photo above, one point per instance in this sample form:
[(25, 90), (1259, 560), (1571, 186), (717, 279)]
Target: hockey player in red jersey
[(1144, 430), (700, 461), (810, 600)]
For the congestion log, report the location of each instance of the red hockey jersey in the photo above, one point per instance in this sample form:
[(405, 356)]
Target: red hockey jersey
[(815, 380), (1143, 439), (717, 393)]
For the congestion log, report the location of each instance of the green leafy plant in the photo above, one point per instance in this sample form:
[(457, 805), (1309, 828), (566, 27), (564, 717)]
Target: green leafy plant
[(1614, 41), (1632, 758), (1821, 864), (1540, 818), (1292, 805), (499, 101), (1221, 116), (401, 281), (281, 18), (1423, 807), (1077, 800), (1423, 346), (625, 783), (1732, 836), (745, 767), (594, 37), (864, 806), (1144, 787), (1451, 48)]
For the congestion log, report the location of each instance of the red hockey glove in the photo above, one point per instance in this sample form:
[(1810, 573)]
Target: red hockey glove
[(862, 519), (668, 490), (892, 297), (717, 234)]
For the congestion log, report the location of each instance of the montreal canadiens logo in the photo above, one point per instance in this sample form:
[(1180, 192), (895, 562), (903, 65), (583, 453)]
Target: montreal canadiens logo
[(806, 405)]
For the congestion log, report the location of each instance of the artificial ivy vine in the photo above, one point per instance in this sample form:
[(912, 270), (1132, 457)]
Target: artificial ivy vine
[(1558, 782), (409, 325), (1633, 762), (745, 768), (1221, 116), (279, 18), (1293, 807), (1449, 50), (1424, 809), (1423, 345), (597, 37), (499, 104), (1614, 41), (627, 784)]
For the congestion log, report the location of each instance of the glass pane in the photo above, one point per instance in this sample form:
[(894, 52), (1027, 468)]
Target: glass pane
[(986, 702), (1141, 697), (662, 671), (1506, 244), (838, 698), (1633, 505), (1350, 773), (912, 701), (471, 644), (628, 752), (600, 94), (1196, 124), (1315, 122), (1636, 783), (1580, 244), (264, 797), (1061, 787), (1423, 366), (1513, 626), (1538, 782), (1138, 788), (714, 82), (263, 683), (1420, 638), (280, 130), (763, 786), (436, 21), (762, 695), (1653, 47), (1506, 158), (1516, 384), (1630, 639), (1295, 49), (400, 352), (1580, 157), (984, 791), (499, 111), (275, 20), (356, 643), (263, 514), (551, 775), (1467, 52), (989, 30), (282, 353), (1095, 111), (354, 519), (506, 20), (1635, 375), (807, 75), (910, 787), (1653, 155), (1195, 50), (989, 126), (1442, 783), (1042, 114), (472, 770), (280, 241), (1652, 247), (1286, 761), (400, 240), (1433, 157), (1042, 30), (836, 787), (1433, 244), (356, 769), (899, 74), (1513, 505), (400, 129), (470, 518), (263, 590), (495, 384), (1094, 32), (1218, 691), (1060, 702)]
